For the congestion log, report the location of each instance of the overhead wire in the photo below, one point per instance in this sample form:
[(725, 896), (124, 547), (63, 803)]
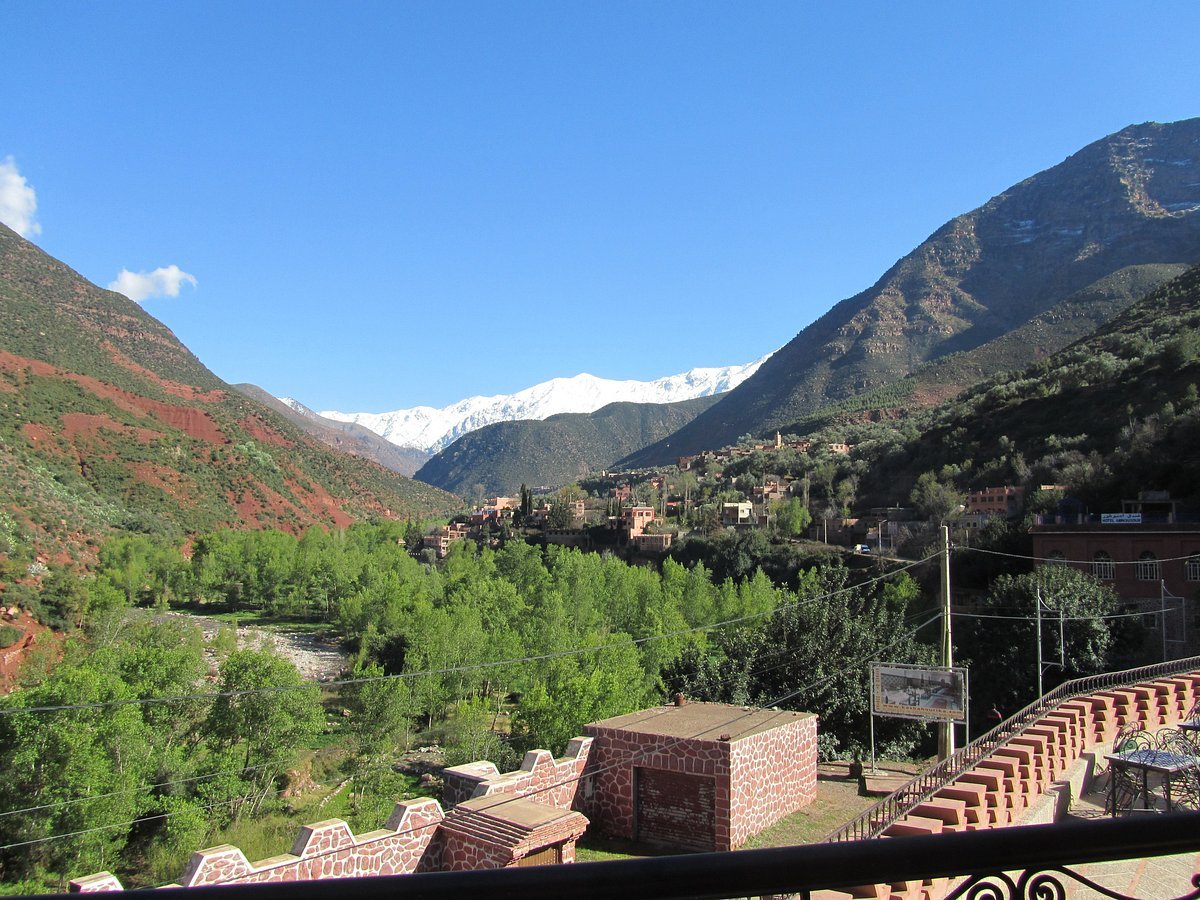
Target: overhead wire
[(474, 667), (516, 661), (133, 790), (745, 712), (1076, 562), (152, 818)]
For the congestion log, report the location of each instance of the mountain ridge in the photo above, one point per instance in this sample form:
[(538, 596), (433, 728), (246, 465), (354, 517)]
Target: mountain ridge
[(553, 451), (345, 437), (1130, 198)]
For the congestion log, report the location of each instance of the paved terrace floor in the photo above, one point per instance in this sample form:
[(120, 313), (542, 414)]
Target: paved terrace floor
[(1154, 878)]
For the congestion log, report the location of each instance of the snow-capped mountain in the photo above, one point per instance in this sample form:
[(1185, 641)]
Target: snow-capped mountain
[(430, 429)]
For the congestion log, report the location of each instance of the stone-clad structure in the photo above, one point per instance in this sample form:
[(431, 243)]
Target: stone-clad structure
[(488, 833), (500, 830), (703, 776)]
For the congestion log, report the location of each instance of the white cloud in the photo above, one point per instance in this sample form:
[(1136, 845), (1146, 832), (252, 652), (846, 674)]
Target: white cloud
[(164, 281), (18, 201)]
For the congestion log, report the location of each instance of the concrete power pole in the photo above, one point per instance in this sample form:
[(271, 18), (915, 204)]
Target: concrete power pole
[(946, 729)]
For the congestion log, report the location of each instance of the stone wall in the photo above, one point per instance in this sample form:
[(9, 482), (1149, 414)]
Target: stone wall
[(549, 781), (772, 775), (408, 843)]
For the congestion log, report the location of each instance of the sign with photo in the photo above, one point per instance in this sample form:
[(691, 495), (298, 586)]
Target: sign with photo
[(919, 692)]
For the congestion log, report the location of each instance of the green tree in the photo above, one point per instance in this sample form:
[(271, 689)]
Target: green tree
[(936, 499), (1002, 651), (573, 691), (792, 518), (380, 726), (52, 757), (264, 713)]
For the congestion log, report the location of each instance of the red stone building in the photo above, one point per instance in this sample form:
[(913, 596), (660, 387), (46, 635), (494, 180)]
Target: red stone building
[(1155, 568), (701, 776), (1138, 561)]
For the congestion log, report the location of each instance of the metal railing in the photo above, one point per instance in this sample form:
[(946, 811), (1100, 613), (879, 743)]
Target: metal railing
[(895, 806), (986, 858)]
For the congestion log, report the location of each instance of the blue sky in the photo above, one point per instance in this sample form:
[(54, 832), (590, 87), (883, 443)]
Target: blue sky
[(377, 205)]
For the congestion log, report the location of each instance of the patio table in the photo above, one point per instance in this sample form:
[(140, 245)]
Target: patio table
[(1146, 760)]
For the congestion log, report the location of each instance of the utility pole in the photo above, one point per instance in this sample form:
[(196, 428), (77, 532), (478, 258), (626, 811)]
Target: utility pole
[(1162, 616), (1039, 642), (946, 735)]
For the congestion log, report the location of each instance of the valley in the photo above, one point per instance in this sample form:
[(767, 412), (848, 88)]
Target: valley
[(247, 613)]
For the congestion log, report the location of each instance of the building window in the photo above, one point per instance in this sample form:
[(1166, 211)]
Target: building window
[(1056, 558), (1103, 566), (1193, 569), (1147, 568)]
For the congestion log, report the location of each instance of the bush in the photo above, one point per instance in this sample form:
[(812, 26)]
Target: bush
[(9, 635)]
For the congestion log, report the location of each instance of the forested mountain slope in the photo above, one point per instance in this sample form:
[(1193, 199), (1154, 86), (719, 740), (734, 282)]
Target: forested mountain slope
[(1130, 199), (108, 421), (1113, 414), (554, 451)]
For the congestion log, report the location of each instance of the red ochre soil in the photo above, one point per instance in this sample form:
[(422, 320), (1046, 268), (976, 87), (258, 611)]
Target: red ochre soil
[(260, 431), (313, 505), (194, 422), (90, 425), (186, 391), (12, 658)]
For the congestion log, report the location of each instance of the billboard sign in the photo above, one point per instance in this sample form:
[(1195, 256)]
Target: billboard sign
[(919, 692)]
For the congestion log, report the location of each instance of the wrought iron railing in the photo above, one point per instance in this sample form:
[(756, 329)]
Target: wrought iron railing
[(895, 806), (985, 860)]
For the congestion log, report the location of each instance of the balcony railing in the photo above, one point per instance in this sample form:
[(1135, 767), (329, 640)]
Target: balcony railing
[(986, 860), (895, 806)]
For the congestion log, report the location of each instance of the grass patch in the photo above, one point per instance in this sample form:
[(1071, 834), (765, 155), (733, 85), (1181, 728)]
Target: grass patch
[(9, 635), (839, 799)]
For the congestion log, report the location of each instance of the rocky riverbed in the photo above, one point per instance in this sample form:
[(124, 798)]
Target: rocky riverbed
[(317, 655)]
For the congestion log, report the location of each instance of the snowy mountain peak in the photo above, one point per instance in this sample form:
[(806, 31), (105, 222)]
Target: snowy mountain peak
[(430, 429)]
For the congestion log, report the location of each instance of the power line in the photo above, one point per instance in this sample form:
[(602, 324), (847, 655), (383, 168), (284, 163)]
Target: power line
[(133, 790), (725, 623), (1077, 562), (1130, 615), (113, 825), (475, 667)]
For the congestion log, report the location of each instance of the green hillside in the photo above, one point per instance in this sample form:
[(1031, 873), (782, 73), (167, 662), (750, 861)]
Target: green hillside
[(107, 421), (1074, 318), (1113, 414), (557, 450)]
